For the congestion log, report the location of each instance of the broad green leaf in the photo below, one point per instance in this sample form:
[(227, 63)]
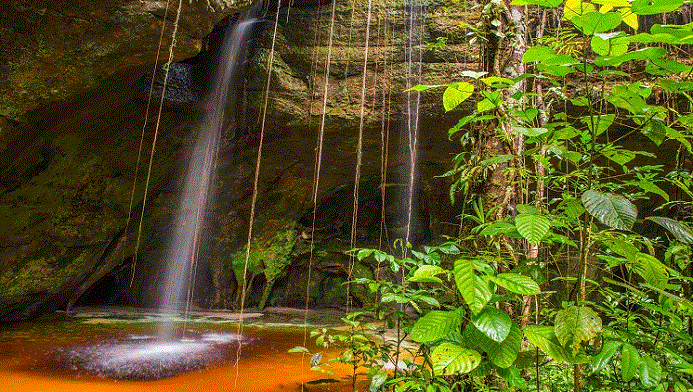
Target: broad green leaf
[(491, 101), (666, 67), (422, 87), (577, 324), (612, 210), (596, 22), (513, 377), (675, 86), (530, 132), (630, 362), (517, 283), (497, 160), (455, 94), (556, 70), (602, 359), (650, 372), (474, 290), (678, 136), (544, 337), (541, 3), (528, 114), (527, 209), (435, 325), (493, 322), (532, 227), (680, 231), (651, 7), (475, 339), (629, 17), (608, 47), (655, 130), (537, 53), (575, 8), (298, 349), (427, 273), (598, 124), (451, 358), (503, 354), (613, 3), (501, 227), (618, 155), (497, 81), (640, 54), (623, 97), (621, 247), (651, 269), (649, 186)]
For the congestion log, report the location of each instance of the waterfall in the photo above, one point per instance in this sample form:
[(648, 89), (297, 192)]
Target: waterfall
[(183, 248), (414, 54)]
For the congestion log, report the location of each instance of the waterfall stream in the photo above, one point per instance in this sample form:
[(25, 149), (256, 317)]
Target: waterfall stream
[(184, 245)]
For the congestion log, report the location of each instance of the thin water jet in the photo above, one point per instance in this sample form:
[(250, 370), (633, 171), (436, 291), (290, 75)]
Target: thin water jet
[(183, 248)]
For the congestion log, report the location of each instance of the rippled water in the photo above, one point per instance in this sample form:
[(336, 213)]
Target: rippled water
[(57, 356)]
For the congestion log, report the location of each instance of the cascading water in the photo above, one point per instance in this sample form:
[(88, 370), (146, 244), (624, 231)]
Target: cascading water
[(183, 248), (161, 356), (414, 54)]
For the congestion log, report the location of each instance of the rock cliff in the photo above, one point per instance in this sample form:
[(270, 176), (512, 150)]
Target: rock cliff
[(73, 111)]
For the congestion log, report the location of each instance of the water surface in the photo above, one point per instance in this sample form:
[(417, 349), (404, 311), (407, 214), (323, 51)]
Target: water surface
[(28, 352)]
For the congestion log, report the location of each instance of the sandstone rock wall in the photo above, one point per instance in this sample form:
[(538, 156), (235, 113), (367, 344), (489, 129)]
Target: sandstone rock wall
[(68, 167)]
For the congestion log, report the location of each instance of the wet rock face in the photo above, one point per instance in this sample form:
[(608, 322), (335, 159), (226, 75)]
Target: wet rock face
[(50, 50), (67, 169)]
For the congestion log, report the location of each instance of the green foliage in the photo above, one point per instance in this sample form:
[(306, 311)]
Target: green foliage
[(612, 210), (494, 323), (450, 358), (576, 324), (603, 300)]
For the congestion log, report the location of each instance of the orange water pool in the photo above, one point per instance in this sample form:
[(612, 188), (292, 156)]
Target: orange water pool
[(264, 365)]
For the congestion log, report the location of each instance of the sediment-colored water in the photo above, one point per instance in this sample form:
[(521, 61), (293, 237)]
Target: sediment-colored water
[(28, 360)]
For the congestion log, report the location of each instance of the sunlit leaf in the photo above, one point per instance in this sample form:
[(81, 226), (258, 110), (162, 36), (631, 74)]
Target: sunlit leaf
[(577, 324), (451, 358), (537, 53), (640, 54), (532, 227), (493, 322), (435, 325), (596, 22), (651, 269), (650, 372), (544, 337), (666, 67), (427, 273), (542, 3), (503, 354), (575, 8), (474, 290), (517, 283), (602, 359), (629, 18), (630, 362), (651, 7), (608, 47), (455, 94)]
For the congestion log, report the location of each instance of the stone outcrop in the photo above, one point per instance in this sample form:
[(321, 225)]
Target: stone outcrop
[(67, 228)]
